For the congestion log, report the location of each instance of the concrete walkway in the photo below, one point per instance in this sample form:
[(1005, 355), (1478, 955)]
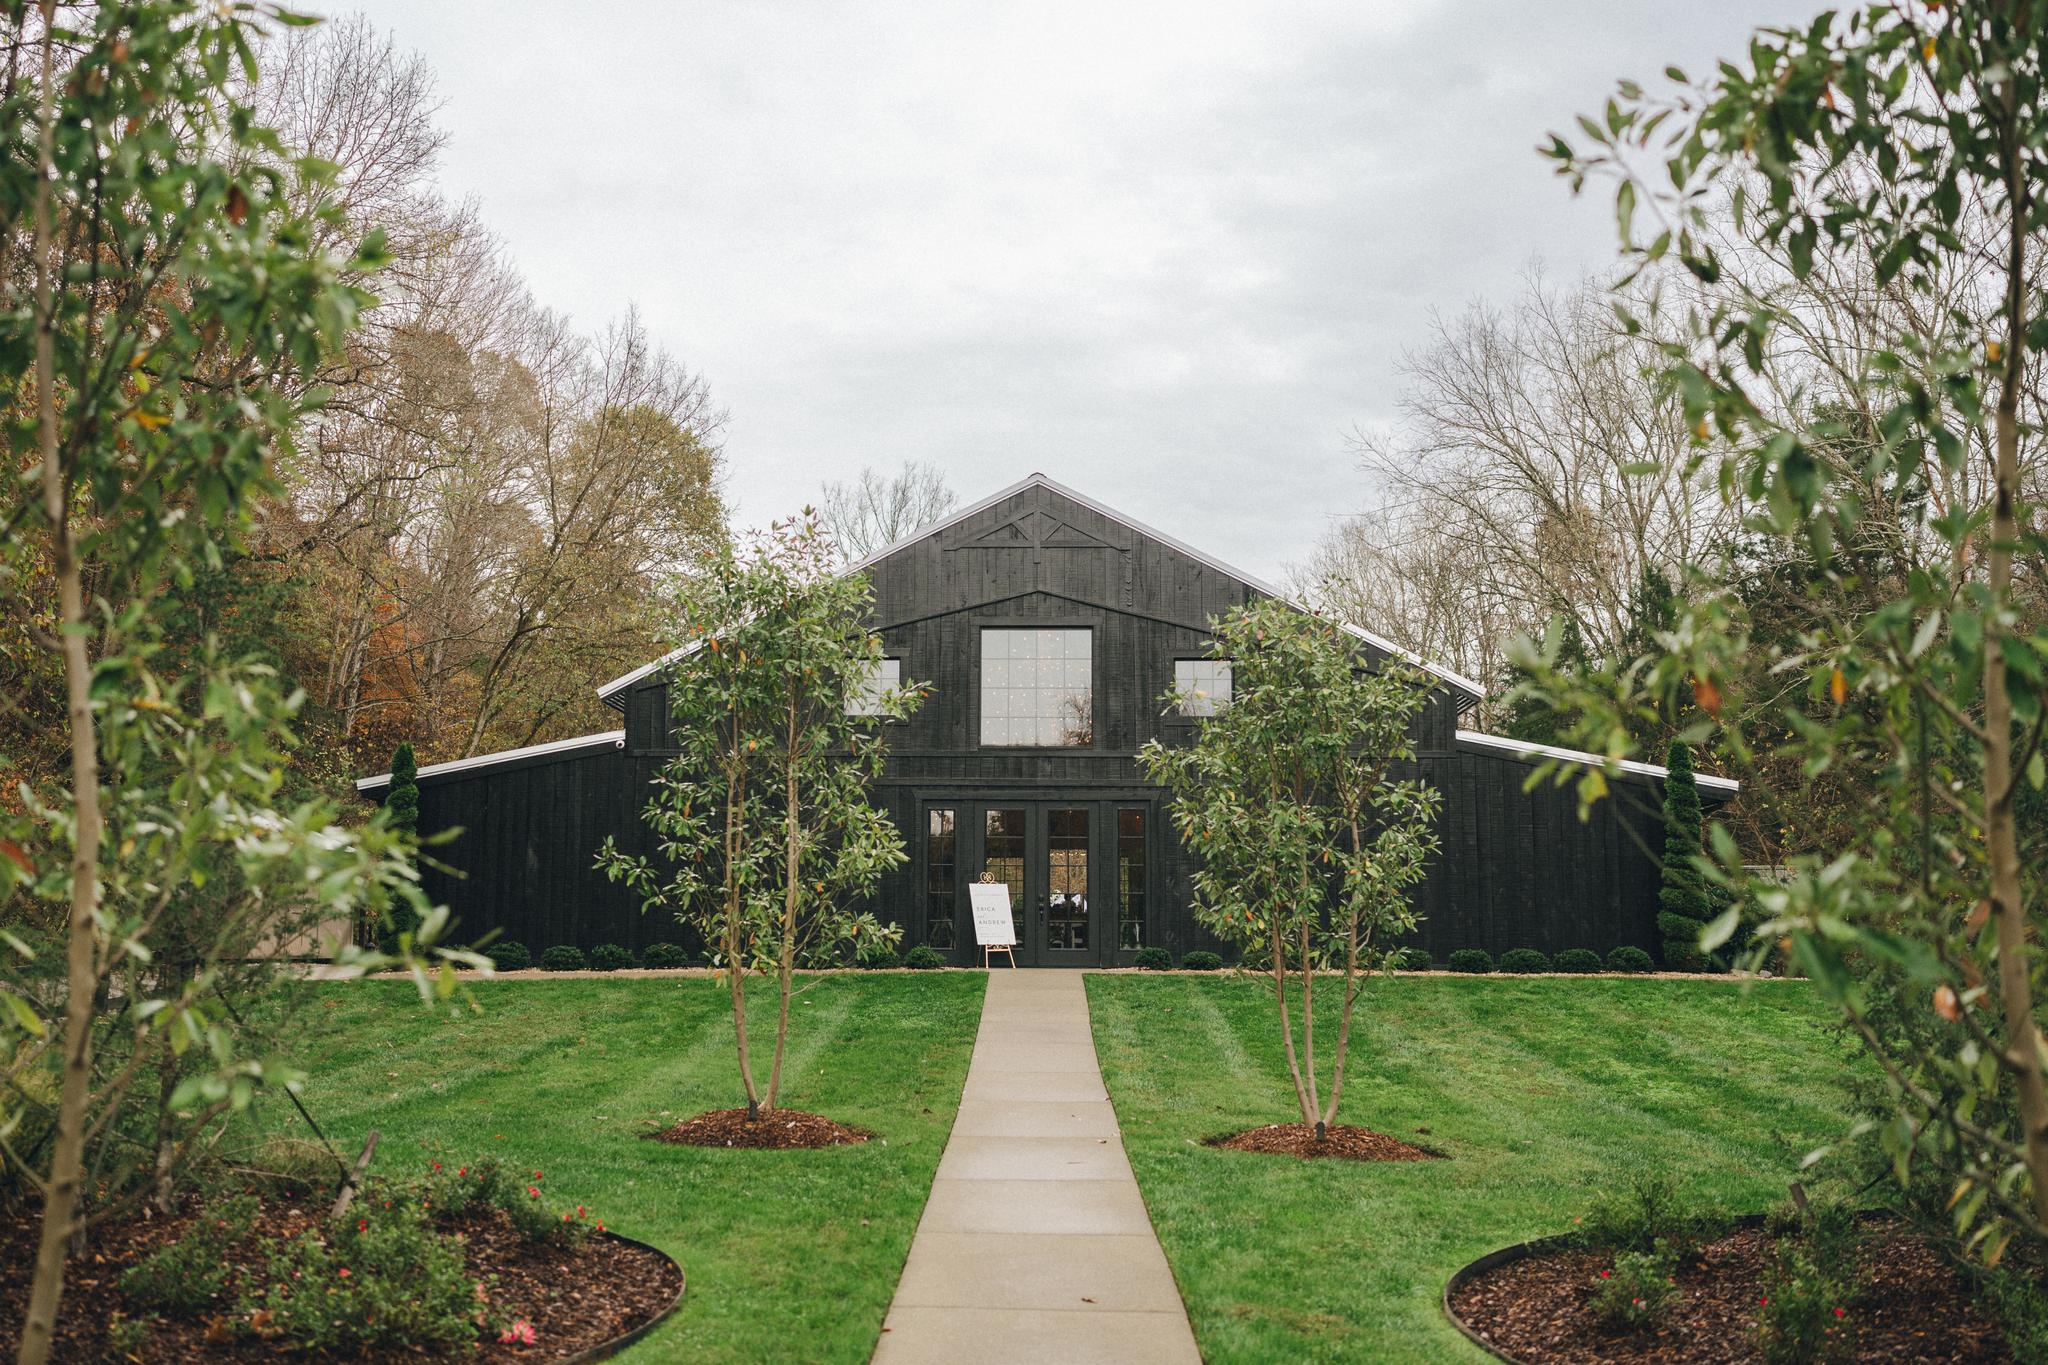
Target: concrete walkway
[(1035, 1245)]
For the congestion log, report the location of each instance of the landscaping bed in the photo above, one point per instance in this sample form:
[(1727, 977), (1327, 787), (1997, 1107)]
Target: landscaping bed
[(1541, 1091), (1340, 1141), (243, 1277), (1540, 1304), (571, 1074), (776, 1130)]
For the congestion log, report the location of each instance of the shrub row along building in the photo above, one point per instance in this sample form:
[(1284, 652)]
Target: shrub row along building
[(1050, 628)]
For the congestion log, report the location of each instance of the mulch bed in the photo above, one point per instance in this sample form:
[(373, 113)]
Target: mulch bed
[(1341, 1140), (1913, 1307), (776, 1130), (575, 1297)]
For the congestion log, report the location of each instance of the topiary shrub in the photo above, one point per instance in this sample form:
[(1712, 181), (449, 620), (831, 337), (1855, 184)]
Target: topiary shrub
[(1630, 959), (1524, 961), (1577, 960), (509, 956), (609, 957), (665, 955), (1202, 960), (1685, 901), (563, 957), (1413, 960), (922, 959), (1153, 960), (1471, 960)]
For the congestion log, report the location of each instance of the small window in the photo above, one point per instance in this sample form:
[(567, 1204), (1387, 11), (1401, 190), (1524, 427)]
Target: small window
[(1203, 685), (940, 872), (886, 677), (1130, 878)]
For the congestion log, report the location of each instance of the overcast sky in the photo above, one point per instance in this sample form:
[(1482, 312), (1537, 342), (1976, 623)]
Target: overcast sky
[(1168, 253)]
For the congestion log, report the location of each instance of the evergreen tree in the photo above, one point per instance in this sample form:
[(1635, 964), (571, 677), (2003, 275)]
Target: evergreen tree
[(1685, 902), (401, 813)]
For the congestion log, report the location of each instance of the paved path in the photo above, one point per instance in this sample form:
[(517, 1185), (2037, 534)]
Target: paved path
[(1035, 1245)]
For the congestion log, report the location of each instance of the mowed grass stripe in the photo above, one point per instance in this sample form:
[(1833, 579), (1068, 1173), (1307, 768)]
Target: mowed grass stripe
[(790, 1255), (1543, 1092)]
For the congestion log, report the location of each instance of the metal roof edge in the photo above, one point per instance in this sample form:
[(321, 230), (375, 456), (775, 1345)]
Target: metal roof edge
[(615, 738)]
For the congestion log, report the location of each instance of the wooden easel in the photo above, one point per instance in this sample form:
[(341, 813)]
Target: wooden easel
[(994, 928)]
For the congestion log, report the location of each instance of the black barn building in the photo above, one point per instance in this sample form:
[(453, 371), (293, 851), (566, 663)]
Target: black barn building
[(1050, 627)]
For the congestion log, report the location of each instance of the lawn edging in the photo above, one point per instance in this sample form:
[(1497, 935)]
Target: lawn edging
[(605, 1350)]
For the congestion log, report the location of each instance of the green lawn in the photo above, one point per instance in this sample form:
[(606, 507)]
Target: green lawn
[(789, 1255), (1542, 1093)]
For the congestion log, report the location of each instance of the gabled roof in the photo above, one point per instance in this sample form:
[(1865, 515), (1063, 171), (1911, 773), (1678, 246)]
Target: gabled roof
[(1541, 753), (615, 739), (1470, 692)]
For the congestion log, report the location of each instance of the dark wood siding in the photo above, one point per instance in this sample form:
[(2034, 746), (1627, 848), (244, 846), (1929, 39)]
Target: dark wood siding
[(1517, 868)]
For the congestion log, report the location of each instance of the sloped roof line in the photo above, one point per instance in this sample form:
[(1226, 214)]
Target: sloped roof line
[(1522, 748), (615, 738), (1472, 689)]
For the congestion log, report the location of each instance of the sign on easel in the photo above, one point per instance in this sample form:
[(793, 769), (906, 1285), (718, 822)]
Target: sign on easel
[(994, 929)]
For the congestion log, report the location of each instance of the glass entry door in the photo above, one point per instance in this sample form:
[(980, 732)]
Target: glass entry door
[(1044, 853)]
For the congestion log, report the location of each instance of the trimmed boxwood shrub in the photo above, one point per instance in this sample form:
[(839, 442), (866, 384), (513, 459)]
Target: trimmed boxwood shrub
[(1629, 959), (563, 957), (922, 959), (665, 955), (1154, 960), (609, 957), (1524, 960), (1471, 960), (1202, 960), (1577, 960), (1413, 960), (509, 956)]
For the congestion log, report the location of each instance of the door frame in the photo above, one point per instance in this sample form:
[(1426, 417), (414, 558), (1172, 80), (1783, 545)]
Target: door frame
[(970, 855)]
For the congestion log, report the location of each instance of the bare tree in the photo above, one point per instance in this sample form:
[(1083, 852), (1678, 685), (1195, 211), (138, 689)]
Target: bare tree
[(875, 511)]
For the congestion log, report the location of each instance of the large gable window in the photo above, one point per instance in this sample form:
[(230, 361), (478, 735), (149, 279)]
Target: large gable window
[(1203, 685), (1036, 687)]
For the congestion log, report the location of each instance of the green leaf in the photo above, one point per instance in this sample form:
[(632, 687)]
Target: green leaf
[(24, 1014), (1721, 929)]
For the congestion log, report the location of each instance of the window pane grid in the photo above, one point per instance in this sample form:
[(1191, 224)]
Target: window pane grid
[(1130, 878), (1037, 686), (940, 894), (1203, 685), (886, 676)]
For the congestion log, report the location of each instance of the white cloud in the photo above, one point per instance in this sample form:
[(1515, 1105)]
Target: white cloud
[(1167, 252)]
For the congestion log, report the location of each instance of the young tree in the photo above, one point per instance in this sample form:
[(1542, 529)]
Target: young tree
[(1685, 902), (1307, 837), (766, 837), (1902, 144), (157, 289)]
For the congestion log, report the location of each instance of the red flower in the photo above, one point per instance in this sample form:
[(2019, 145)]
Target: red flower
[(1605, 1273), (362, 1225), (536, 1175), (462, 1170), (1765, 1301), (579, 1210), (437, 1165), (600, 1225), (1840, 1314), (343, 1272), (519, 1333), (533, 1190)]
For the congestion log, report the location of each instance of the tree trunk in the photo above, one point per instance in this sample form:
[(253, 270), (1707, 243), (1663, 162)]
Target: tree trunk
[(1308, 1114), (1350, 997), (735, 909), (60, 1200), (1313, 1112), (792, 889), (2022, 1037)]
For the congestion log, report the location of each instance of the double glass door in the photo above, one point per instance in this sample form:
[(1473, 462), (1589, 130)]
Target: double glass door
[(1042, 853), (1076, 872)]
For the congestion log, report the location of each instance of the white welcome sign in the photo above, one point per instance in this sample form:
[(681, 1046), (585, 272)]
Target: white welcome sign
[(993, 926)]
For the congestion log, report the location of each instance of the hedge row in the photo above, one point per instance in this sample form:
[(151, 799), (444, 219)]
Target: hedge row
[(610, 957), (1527, 961)]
